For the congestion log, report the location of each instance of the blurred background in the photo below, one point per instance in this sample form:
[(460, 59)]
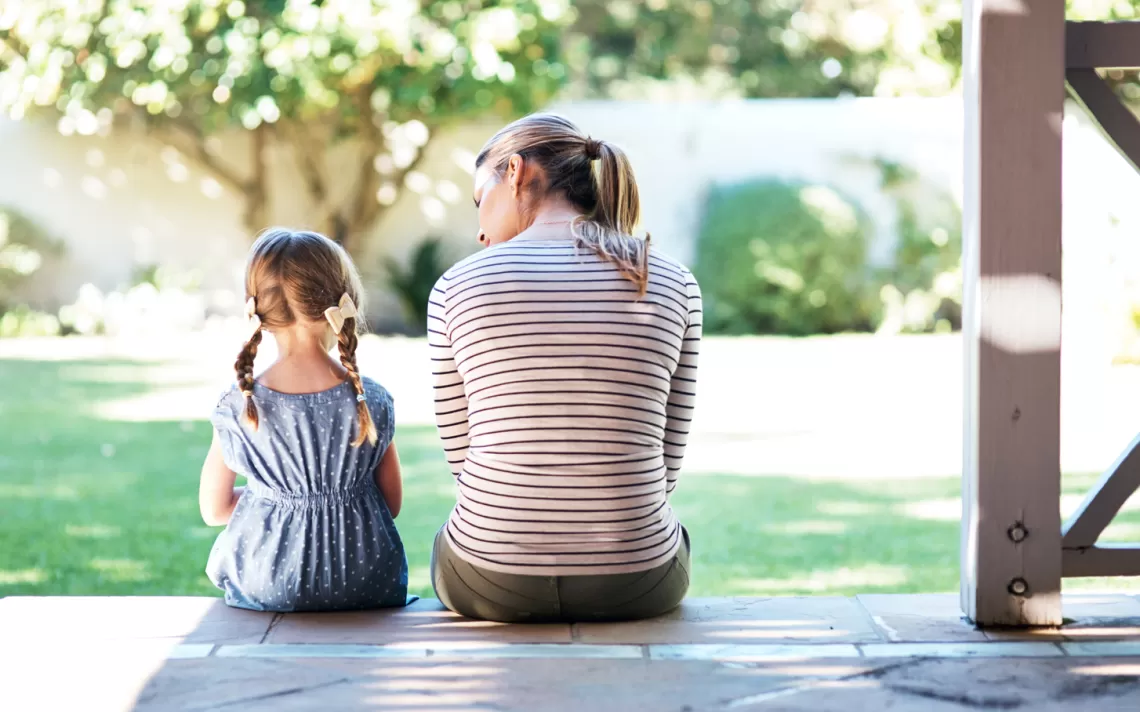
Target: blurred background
[(803, 156)]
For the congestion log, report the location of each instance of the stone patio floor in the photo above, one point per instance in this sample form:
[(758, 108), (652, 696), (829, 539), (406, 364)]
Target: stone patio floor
[(871, 652)]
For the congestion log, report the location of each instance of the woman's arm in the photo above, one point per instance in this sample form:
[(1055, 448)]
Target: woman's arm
[(450, 396), (217, 496), (389, 480), (683, 391)]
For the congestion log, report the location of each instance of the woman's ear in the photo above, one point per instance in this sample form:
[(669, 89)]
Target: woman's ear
[(515, 173)]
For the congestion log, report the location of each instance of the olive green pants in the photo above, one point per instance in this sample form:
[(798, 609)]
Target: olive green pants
[(476, 592)]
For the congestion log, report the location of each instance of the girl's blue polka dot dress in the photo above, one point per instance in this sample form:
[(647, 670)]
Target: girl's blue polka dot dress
[(312, 531)]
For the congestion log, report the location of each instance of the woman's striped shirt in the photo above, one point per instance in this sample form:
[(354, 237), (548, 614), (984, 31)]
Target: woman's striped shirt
[(564, 403)]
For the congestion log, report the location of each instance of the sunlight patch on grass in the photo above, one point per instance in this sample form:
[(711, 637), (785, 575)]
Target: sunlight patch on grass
[(28, 576), (818, 581), (933, 510), (170, 404), (37, 491), (807, 526), (92, 531), (847, 508), (120, 570)]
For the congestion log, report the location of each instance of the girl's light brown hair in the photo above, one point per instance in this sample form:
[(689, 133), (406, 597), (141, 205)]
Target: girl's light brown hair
[(595, 176), (295, 276)]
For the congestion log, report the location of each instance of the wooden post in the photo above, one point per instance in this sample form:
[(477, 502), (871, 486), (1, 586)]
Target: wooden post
[(1014, 69)]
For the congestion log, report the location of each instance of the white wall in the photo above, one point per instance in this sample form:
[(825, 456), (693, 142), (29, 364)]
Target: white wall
[(121, 201)]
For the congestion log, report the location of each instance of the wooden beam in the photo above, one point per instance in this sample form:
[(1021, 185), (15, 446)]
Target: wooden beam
[(1102, 45), (1014, 65), (1116, 121), (1096, 512), (1103, 560)]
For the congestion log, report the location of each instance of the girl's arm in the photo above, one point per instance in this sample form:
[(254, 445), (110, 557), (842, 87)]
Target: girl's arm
[(217, 496), (389, 481)]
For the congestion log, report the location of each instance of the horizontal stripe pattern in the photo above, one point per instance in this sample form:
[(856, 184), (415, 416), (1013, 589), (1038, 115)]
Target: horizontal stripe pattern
[(563, 402)]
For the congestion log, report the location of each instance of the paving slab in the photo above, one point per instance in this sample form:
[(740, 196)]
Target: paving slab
[(436, 650), (1103, 648), (898, 653), (820, 619), (211, 683), (88, 675), (1050, 685), (77, 618), (502, 686), (425, 621), (988, 649), (753, 653), (920, 618)]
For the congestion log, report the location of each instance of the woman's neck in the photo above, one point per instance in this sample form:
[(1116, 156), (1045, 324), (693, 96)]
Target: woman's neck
[(551, 220), (556, 209)]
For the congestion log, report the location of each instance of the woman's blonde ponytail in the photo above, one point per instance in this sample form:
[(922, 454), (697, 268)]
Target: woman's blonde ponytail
[(595, 176)]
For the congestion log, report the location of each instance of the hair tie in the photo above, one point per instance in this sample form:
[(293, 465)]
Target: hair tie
[(254, 321), (360, 398), (247, 394), (593, 149), (344, 310)]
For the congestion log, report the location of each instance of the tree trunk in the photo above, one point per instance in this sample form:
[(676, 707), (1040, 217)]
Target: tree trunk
[(256, 215), (348, 220)]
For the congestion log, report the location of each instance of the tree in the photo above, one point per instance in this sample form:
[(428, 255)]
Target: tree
[(798, 48), (304, 73), (389, 74)]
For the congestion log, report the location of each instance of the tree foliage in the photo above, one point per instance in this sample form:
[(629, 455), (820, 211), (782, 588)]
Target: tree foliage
[(771, 48), (305, 73), (389, 74)]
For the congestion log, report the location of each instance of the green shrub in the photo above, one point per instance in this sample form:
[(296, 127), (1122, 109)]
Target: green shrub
[(24, 248), (22, 321), (922, 289), (412, 285), (790, 258)]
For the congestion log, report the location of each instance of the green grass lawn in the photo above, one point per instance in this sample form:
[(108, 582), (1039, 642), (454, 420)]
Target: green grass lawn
[(94, 505)]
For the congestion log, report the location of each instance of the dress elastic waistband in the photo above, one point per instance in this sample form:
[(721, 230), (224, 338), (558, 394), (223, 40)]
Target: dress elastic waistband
[(311, 499)]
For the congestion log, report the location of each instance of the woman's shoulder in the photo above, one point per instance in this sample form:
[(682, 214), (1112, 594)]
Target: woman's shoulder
[(503, 254), (667, 266), (464, 266)]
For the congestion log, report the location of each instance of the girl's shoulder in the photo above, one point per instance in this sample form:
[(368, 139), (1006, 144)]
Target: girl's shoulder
[(229, 407), (375, 392), (382, 409), (229, 395)]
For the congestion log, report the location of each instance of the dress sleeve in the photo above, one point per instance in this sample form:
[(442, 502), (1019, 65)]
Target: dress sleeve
[(226, 422), (385, 418)]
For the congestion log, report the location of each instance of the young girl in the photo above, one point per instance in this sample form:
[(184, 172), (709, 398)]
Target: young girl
[(313, 529)]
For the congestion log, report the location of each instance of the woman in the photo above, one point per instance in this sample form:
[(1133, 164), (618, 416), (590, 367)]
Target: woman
[(565, 360)]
